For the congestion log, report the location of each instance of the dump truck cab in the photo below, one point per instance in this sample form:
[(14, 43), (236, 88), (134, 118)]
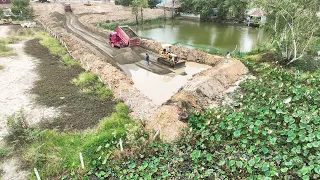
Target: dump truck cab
[(67, 7), (168, 57)]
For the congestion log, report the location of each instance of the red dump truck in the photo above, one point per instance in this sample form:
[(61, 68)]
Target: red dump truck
[(124, 36)]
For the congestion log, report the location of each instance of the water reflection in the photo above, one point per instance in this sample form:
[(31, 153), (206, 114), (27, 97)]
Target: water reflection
[(221, 36), (160, 88)]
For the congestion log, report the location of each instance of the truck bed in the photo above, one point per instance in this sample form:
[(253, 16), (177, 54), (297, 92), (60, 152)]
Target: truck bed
[(129, 31)]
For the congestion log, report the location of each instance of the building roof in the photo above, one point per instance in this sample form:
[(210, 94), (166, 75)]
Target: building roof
[(169, 4), (256, 12)]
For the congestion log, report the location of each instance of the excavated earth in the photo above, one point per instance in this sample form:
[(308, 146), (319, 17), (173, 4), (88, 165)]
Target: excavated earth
[(87, 45)]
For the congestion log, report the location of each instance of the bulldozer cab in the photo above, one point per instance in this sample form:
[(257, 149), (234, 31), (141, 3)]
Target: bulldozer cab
[(168, 57), (167, 53)]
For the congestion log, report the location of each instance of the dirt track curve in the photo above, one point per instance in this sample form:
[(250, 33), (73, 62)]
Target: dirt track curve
[(128, 55)]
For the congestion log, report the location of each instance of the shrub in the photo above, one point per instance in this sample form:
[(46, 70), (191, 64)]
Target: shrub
[(19, 132), (91, 84)]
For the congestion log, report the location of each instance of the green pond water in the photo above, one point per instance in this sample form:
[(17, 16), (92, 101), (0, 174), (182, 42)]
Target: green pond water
[(217, 35)]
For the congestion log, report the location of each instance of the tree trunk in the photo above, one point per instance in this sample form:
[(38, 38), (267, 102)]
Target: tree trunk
[(141, 15), (136, 13), (172, 15)]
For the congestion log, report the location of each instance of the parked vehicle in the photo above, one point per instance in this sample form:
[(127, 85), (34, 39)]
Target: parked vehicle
[(67, 7), (124, 36)]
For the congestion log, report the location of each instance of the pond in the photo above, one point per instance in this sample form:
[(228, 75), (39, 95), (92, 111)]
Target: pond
[(217, 35), (160, 88)]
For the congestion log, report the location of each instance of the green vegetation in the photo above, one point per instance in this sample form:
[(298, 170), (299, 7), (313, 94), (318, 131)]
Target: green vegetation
[(4, 152), (112, 26), (53, 153), (1, 67), (56, 48), (91, 84), (292, 25), (21, 10), (269, 133), (4, 49), (225, 8)]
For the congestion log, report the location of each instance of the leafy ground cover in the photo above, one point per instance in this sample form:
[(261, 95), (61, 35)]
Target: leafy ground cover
[(272, 132), (91, 84)]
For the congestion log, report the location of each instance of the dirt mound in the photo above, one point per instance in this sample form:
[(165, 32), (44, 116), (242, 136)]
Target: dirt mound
[(127, 56), (166, 120), (208, 87)]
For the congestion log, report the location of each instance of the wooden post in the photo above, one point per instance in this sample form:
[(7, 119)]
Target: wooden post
[(81, 160), (37, 173), (121, 147)]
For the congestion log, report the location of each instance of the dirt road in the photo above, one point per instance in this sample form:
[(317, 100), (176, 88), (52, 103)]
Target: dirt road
[(115, 56)]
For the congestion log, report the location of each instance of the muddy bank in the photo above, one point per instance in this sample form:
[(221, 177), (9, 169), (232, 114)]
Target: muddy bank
[(54, 89)]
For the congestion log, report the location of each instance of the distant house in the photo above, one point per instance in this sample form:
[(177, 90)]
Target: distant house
[(256, 17), (5, 1), (170, 4)]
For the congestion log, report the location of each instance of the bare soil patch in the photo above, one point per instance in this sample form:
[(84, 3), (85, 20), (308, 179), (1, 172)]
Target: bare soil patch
[(54, 88), (16, 81)]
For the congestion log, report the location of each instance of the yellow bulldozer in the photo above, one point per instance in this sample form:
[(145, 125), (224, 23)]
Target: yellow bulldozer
[(168, 57)]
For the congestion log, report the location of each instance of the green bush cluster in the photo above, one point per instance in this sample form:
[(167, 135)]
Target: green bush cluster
[(271, 132), (91, 84), (21, 9)]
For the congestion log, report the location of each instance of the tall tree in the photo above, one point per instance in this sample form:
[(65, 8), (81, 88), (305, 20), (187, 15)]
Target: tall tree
[(292, 24)]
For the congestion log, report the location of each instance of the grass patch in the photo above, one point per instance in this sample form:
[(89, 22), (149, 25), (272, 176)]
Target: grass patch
[(90, 84), (13, 39), (4, 152), (56, 48), (5, 50), (1, 67), (53, 153)]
